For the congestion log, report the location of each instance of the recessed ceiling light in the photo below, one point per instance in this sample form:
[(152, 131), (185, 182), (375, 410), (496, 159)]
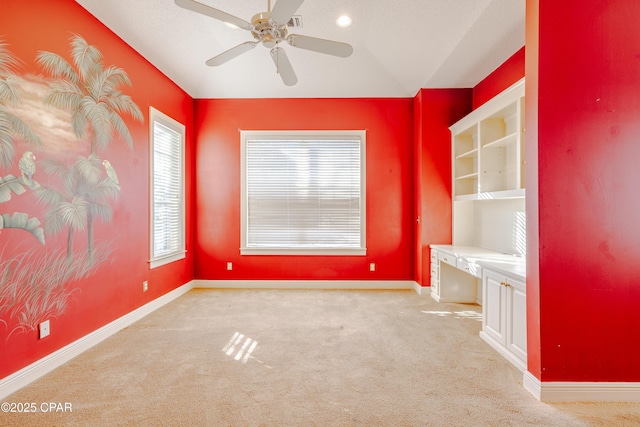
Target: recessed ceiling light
[(343, 21)]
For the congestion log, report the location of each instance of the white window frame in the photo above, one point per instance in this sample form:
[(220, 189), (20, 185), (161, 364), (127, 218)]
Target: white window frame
[(156, 116), (245, 136)]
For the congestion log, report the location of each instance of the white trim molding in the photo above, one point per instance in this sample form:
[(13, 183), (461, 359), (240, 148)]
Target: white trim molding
[(423, 291), (581, 391), (305, 284), (39, 368)]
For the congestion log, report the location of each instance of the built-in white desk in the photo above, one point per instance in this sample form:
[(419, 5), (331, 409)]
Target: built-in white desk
[(456, 271), (469, 274)]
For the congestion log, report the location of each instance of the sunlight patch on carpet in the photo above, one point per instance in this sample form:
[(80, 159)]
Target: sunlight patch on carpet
[(244, 351), (467, 314)]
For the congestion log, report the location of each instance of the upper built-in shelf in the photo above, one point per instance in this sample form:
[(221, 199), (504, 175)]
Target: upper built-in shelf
[(492, 195), (488, 149), (504, 141), (470, 153)]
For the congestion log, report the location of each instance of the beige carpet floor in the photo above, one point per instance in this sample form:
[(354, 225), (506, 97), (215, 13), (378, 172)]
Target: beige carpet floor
[(301, 358)]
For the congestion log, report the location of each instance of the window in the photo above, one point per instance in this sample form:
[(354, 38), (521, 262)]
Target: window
[(167, 189), (303, 192)]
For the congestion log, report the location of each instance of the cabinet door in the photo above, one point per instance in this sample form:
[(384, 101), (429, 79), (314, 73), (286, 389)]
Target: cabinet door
[(516, 319), (493, 306)]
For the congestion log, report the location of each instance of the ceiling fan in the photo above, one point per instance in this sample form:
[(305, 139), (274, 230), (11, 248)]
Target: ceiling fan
[(269, 29)]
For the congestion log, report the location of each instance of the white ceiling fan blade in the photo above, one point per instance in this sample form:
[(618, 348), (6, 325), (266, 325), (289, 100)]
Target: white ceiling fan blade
[(283, 66), (231, 53), (329, 47), (284, 10), (214, 13)]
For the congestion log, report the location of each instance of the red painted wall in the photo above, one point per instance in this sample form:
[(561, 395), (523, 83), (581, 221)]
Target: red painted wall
[(435, 110), (534, 361), (501, 78), (116, 287), (390, 186), (589, 240)]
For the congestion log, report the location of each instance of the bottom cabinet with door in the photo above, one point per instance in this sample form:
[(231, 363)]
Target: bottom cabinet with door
[(504, 316)]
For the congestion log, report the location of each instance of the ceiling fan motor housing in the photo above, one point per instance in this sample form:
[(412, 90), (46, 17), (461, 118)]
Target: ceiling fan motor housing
[(266, 31)]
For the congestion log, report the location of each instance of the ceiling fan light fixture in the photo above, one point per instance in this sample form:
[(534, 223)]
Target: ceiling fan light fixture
[(344, 21), (269, 41)]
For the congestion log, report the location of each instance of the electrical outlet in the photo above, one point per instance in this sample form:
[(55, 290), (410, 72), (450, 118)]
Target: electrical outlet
[(45, 329), (372, 266), (145, 286), (229, 266)]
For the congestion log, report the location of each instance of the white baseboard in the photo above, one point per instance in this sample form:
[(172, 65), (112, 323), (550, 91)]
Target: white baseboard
[(581, 391), (421, 290), (30, 373), (305, 284)]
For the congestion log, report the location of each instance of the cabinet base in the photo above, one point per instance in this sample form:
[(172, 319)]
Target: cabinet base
[(515, 361)]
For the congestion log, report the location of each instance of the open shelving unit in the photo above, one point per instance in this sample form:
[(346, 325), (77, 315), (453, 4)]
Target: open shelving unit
[(465, 155), (488, 174), (488, 149)]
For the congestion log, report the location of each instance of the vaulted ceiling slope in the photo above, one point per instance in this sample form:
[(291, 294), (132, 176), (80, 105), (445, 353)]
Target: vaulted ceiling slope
[(399, 46)]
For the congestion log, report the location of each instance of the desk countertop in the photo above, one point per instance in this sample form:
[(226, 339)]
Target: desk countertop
[(508, 264)]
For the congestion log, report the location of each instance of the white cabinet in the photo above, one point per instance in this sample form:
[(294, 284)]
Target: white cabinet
[(504, 316), (488, 149)]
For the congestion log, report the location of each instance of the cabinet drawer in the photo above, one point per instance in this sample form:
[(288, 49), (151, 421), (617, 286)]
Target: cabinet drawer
[(435, 286), (469, 267), (435, 272), (434, 257), (447, 258)]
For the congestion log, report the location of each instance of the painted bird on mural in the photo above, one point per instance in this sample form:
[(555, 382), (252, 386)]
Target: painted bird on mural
[(111, 172), (27, 165)]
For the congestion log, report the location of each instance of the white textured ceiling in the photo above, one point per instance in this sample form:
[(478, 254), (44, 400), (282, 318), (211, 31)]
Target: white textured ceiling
[(399, 46)]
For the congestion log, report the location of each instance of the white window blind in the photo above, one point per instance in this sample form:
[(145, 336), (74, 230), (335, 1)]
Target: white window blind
[(167, 190), (303, 193)]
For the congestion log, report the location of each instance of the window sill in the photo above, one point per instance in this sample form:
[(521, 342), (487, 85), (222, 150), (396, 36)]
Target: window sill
[(166, 260), (306, 252)]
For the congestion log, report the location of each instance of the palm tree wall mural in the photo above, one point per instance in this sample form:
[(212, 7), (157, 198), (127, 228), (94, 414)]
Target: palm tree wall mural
[(12, 128), (33, 286), (92, 94), (82, 188)]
